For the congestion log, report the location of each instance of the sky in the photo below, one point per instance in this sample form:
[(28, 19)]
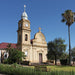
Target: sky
[(41, 13)]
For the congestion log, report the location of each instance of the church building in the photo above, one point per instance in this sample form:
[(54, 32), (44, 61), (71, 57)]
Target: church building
[(35, 49)]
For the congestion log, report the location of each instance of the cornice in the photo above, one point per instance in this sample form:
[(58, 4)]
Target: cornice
[(23, 20), (26, 45), (24, 29), (39, 46)]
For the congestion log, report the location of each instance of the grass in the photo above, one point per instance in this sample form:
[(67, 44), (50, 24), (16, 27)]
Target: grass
[(16, 69), (61, 68)]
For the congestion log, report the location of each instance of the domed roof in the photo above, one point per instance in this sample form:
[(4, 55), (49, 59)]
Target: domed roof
[(39, 36), (24, 14)]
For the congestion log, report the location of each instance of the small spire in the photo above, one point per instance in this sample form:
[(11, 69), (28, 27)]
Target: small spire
[(39, 29), (24, 7)]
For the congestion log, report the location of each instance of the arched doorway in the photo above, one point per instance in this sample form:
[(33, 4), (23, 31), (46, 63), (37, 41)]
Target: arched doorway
[(40, 57)]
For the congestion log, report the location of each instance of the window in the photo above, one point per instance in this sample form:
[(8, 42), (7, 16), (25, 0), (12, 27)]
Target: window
[(26, 37), (26, 53), (5, 55)]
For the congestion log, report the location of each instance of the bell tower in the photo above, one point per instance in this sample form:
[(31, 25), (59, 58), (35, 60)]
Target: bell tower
[(23, 31)]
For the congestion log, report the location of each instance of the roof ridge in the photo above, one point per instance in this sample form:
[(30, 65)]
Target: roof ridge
[(7, 43)]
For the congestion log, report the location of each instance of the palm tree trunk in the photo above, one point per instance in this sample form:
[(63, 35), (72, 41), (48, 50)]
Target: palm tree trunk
[(69, 45)]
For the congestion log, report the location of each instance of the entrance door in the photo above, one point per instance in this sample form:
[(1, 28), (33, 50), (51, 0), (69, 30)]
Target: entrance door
[(40, 57)]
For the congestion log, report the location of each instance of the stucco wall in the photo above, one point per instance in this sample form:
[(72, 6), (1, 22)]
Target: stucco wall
[(35, 54)]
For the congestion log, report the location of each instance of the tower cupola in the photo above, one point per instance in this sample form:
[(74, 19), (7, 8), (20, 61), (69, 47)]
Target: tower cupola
[(24, 14)]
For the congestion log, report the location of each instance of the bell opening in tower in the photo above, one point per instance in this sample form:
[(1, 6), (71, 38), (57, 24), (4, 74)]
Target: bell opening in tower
[(26, 37)]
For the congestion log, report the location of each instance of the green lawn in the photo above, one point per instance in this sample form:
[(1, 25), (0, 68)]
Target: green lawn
[(58, 68), (16, 69), (52, 68), (61, 68)]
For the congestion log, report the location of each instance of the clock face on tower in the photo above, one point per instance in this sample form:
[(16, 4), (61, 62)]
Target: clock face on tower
[(26, 25)]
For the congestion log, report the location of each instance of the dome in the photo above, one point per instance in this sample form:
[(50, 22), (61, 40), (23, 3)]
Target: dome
[(39, 37), (24, 15)]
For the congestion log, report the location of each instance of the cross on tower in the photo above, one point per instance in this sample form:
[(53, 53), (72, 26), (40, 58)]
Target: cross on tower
[(39, 29), (24, 7)]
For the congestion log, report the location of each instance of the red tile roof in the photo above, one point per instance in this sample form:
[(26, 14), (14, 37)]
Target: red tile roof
[(4, 45)]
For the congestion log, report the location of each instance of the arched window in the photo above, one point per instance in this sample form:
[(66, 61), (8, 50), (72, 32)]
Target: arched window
[(26, 37), (5, 55), (26, 53)]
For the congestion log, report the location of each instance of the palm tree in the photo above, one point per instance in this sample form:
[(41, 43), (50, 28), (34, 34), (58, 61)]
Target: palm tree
[(68, 17)]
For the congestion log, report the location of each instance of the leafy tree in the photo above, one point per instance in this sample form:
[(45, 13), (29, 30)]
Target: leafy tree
[(51, 48), (64, 56), (8, 48), (56, 49), (15, 55), (73, 54), (68, 17)]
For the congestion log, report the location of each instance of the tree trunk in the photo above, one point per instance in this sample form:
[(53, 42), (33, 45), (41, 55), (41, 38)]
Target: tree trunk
[(73, 61), (55, 60), (69, 45)]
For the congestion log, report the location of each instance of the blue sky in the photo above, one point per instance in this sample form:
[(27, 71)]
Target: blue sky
[(41, 13)]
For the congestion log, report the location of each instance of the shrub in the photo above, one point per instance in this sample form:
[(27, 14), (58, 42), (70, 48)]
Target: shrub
[(63, 61), (25, 62), (5, 61)]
